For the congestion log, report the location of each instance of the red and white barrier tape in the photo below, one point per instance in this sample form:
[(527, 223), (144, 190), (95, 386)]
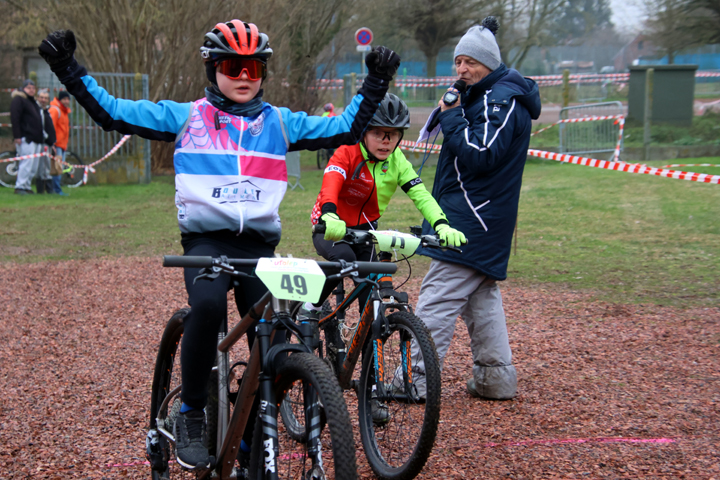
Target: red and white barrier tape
[(619, 120), (626, 167), (24, 157), (409, 145), (86, 168), (107, 155), (675, 165), (76, 127), (621, 128)]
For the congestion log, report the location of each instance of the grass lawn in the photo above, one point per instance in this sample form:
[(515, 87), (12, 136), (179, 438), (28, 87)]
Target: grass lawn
[(625, 237)]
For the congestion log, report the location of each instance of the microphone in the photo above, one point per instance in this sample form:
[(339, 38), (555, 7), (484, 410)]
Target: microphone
[(448, 99)]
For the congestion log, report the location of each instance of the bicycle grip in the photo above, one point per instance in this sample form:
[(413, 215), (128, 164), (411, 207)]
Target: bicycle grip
[(318, 228), (366, 268), (187, 262)]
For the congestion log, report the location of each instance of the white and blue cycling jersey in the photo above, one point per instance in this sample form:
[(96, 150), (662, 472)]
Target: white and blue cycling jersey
[(232, 177)]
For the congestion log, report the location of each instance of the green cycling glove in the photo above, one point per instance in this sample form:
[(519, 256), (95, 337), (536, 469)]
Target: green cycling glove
[(449, 236), (334, 227)]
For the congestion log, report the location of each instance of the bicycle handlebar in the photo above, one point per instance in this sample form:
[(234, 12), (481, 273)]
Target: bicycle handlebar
[(363, 268), (354, 236)]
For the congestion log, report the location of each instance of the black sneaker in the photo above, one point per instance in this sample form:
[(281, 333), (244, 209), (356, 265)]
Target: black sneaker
[(304, 314), (190, 442), (379, 412)]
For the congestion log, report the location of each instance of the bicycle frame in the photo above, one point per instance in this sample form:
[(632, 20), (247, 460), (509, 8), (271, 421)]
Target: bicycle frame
[(258, 374), (373, 316)]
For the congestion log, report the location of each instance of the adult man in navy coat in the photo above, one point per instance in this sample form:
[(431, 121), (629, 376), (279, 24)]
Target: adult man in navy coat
[(477, 184)]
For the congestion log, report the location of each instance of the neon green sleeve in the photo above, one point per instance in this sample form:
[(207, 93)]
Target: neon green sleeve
[(415, 189)]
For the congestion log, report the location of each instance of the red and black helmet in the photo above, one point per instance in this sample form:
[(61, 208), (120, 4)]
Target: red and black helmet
[(235, 39)]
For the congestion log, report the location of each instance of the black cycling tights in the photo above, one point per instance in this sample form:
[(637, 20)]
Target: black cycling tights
[(208, 299)]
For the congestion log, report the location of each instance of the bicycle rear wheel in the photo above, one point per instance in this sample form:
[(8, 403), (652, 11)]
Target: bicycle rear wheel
[(323, 156), (8, 171), (72, 176), (398, 445), (289, 457), (166, 379)]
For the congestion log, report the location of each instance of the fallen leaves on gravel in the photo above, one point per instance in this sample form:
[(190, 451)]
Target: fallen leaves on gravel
[(597, 382)]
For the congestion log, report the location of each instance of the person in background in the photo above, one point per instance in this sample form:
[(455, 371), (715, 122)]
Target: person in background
[(60, 114), (328, 110), (43, 181), (477, 184), (28, 133)]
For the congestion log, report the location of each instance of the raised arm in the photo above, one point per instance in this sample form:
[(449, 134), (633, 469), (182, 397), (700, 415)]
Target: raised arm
[(307, 132), (154, 121)]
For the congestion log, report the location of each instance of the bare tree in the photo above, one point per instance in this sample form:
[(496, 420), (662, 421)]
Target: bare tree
[(299, 31), (433, 24), (703, 20), (668, 22), (525, 24)]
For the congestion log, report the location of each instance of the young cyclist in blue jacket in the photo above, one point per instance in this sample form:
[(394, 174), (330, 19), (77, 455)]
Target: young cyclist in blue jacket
[(230, 171)]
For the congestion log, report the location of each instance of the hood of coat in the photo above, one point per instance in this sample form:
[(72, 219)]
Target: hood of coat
[(20, 93), (505, 84)]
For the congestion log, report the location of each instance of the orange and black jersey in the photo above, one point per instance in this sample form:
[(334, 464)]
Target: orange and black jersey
[(359, 191)]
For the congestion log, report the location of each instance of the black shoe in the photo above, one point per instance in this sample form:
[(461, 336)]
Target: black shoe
[(40, 185), (379, 412), (20, 191), (190, 442), (304, 314)]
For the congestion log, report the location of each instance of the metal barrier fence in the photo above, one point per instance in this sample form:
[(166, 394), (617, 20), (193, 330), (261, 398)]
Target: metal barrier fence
[(89, 140), (590, 137)]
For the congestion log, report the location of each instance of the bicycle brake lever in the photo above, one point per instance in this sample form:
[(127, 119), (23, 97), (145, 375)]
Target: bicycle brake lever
[(208, 274), (366, 280)]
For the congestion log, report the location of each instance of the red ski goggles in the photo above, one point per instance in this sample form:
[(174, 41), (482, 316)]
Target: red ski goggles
[(233, 68)]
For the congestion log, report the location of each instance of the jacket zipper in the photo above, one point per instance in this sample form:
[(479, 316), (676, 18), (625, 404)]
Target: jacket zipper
[(240, 204)]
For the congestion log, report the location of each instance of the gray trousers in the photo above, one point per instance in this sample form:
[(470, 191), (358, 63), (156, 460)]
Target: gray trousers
[(450, 290), (29, 168)]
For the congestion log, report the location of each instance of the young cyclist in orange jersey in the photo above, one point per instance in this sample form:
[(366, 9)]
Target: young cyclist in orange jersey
[(358, 184)]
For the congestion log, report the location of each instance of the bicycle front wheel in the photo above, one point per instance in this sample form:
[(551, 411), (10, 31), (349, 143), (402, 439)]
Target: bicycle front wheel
[(8, 170), (296, 376), (72, 176), (398, 423), (167, 381)]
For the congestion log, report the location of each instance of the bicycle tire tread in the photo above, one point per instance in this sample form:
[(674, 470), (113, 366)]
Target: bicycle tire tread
[(417, 460), (305, 366)]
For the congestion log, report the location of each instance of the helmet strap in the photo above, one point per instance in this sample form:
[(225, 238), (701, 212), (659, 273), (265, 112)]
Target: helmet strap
[(211, 72)]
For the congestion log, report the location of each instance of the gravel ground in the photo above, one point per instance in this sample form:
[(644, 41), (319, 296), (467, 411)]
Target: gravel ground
[(605, 390)]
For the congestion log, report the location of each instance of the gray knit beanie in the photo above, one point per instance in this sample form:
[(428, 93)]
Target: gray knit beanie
[(479, 43)]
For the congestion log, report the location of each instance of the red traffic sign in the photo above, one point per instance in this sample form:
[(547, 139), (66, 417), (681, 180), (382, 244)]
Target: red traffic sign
[(364, 36)]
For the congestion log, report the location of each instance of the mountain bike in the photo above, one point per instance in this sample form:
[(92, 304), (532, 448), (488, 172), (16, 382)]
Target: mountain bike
[(273, 371), (71, 177), (398, 423)]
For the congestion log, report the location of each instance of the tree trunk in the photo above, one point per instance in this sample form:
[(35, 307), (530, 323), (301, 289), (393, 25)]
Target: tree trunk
[(431, 73), (671, 57)]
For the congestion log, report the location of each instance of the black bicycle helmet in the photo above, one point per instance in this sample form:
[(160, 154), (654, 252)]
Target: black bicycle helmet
[(392, 113)]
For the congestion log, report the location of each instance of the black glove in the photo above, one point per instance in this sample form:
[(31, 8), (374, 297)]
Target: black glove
[(57, 49), (382, 62)]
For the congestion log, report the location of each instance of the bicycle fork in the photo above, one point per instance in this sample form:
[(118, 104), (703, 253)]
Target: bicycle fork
[(268, 410)]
